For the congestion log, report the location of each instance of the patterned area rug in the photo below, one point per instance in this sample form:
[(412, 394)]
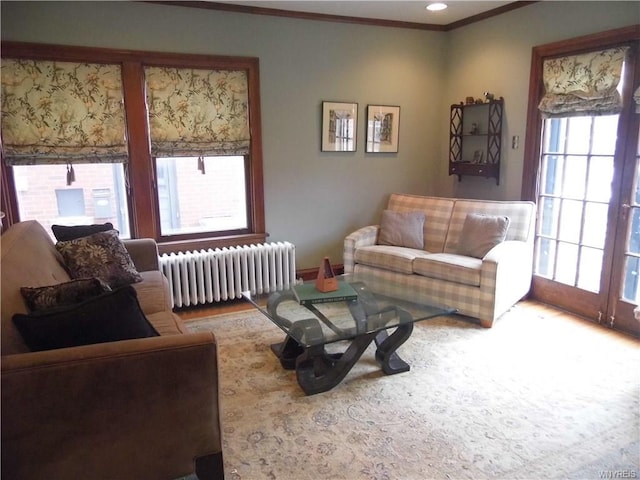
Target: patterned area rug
[(534, 397)]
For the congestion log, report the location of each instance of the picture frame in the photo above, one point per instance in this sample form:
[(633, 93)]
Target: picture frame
[(339, 126), (383, 128)]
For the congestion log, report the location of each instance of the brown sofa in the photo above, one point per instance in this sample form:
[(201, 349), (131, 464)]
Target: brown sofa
[(132, 409)]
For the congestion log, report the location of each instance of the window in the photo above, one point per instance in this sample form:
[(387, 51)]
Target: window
[(42, 195), (189, 170), (581, 168), (70, 202), (575, 189), (212, 198)]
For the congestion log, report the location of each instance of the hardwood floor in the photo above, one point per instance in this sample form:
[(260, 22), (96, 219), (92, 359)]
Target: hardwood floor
[(541, 309), (218, 308)]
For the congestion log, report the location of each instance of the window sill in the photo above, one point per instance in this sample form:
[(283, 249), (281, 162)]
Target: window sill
[(215, 242)]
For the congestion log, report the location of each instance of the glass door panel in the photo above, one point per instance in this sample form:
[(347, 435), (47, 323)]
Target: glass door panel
[(625, 282), (631, 283), (577, 171), (583, 173)]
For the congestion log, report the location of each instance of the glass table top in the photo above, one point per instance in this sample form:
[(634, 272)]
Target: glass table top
[(375, 308)]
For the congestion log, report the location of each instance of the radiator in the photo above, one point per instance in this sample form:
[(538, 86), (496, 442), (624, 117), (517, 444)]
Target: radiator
[(207, 276)]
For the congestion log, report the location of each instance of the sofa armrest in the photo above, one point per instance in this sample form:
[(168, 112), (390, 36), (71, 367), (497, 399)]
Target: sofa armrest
[(506, 274), (141, 408), (509, 249), (507, 261), (362, 237), (144, 253)]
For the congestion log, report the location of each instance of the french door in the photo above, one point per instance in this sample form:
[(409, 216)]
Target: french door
[(584, 175), (625, 278)]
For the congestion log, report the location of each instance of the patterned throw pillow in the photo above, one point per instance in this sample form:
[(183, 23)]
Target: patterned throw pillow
[(63, 294), (64, 233), (101, 255)]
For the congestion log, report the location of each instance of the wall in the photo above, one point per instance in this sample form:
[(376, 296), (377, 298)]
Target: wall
[(315, 198), (495, 55)]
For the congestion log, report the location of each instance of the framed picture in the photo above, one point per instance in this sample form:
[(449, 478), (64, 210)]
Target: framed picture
[(383, 126), (339, 126)]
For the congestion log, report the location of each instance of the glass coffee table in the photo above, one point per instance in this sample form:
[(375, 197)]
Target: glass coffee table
[(311, 328)]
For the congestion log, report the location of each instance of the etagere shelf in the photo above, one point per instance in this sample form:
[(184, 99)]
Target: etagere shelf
[(475, 139)]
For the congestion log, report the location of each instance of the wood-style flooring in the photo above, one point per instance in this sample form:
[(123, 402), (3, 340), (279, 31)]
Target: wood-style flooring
[(218, 308), (547, 311)]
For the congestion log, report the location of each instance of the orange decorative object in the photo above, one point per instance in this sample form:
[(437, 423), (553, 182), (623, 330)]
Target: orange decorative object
[(326, 281)]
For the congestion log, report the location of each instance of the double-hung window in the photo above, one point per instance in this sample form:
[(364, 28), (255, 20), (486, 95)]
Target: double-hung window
[(199, 131), (64, 135), (161, 145)]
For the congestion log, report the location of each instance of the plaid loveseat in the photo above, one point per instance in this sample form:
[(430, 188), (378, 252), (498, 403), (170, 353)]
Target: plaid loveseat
[(481, 288)]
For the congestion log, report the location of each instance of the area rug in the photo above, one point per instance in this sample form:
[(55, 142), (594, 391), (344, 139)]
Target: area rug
[(534, 397)]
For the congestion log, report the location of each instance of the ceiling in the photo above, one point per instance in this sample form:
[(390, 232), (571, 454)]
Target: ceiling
[(412, 11)]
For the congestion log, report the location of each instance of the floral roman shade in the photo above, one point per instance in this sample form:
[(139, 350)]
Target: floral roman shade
[(62, 113), (584, 84), (197, 112)]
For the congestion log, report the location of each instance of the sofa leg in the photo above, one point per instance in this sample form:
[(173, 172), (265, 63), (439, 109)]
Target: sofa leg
[(210, 467), (486, 322)]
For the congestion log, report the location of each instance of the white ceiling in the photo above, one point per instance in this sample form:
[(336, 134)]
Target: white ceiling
[(413, 11)]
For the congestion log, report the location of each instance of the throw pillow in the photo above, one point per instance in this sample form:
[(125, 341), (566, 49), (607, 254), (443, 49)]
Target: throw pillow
[(480, 233), (109, 317), (63, 294), (64, 233), (101, 255), (402, 229)]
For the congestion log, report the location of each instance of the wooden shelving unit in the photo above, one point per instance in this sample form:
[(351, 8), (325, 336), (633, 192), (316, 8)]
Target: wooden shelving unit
[(475, 139)]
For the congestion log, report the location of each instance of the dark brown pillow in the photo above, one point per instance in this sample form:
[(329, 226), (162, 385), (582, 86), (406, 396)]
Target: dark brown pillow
[(101, 255), (109, 317), (402, 229), (64, 233), (63, 294), (480, 233)]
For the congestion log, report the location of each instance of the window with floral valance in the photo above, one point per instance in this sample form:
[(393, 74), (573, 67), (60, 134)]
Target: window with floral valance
[(135, 125), (62, 113), (197, 112), (584, 84)]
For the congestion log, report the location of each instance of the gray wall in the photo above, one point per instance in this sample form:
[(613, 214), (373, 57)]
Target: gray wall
[(315, 198), (495, 55)]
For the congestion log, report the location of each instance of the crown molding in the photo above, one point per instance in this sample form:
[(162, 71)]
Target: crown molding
[(229, 7)]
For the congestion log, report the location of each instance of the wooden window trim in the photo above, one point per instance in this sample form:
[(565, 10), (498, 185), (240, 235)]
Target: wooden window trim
[(142, 199), (578, 45), (583, 303)]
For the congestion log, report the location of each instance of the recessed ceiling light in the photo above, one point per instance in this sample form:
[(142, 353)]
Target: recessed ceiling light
[(435, 7)]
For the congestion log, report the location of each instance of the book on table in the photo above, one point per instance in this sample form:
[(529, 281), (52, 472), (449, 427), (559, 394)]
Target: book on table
[(308, 294)]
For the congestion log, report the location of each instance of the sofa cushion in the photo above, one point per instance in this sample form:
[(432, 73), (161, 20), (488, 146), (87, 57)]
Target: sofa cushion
[(397, 259), (449, 267), (153, 292), (29, 258), (64, 233), (480, 233), (438, 211), (403, 229), (109, 317), (63, 294), (521, 219), (101, 255)]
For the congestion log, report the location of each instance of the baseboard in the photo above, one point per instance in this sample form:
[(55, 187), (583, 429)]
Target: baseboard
[(312, 273)]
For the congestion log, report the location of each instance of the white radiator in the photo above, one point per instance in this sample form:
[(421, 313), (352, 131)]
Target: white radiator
[(206, 276)]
